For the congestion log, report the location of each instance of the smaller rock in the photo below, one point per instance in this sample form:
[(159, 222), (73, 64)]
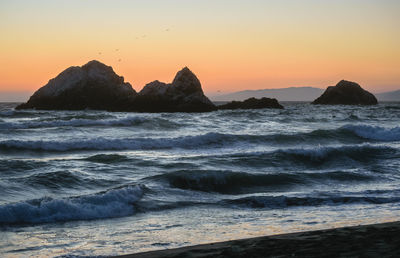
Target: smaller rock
[(252, 103), (184, 94), (155, 88), (346, 93)]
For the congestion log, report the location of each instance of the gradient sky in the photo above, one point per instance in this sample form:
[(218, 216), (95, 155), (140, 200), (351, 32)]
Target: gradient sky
[(230, 45)]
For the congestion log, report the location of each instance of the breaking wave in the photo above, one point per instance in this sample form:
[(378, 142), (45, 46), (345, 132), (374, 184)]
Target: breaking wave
[(113, 203), (375, 132)]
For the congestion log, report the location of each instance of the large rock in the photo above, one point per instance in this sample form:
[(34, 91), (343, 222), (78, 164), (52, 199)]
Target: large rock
[(92, 86), (346, 93), (96, 86), (252, 103), (184, 94)]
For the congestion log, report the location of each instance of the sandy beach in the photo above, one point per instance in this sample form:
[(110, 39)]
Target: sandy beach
[(377, 240)]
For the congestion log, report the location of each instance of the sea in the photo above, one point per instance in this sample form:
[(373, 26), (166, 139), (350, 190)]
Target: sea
[(95, 183)]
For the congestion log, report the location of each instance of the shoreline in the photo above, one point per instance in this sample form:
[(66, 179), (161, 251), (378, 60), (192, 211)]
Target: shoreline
[(374, 240)]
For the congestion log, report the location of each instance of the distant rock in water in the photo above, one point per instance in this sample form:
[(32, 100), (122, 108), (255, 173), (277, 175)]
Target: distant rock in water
[(97, 86), (252, 103), (92, 86), (184, 94), (346, 93)]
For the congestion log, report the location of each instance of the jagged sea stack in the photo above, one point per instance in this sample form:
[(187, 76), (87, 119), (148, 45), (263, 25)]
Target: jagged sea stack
[(184, 94), (91, 86), (346, 93)]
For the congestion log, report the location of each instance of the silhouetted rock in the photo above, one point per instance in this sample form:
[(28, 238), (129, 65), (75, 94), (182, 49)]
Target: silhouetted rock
[(184, 94), (96, 86), (252, 103), (92, 86), (346, 93)]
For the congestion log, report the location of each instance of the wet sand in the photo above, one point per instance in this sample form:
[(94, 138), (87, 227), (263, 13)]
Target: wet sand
[(378, 240)]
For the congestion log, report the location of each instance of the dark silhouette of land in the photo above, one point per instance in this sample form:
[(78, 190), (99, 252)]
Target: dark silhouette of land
[(346, 93), (96, 86), (252, 103)]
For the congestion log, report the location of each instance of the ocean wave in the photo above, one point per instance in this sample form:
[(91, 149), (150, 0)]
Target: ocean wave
[(278, 202), (113, 203), (117, 144), (7, 113), (319, 157), (354, 132), (56, 179), (229, 182), (352, 117), (208, 140), (12, 113), (19, 165), (375, 132), (320, 154), (392, 107), (75, 122)]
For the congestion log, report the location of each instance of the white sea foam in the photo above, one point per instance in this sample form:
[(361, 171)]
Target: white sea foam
[(113, 203)]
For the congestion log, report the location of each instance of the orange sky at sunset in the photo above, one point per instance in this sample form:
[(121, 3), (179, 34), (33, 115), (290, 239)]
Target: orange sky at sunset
[(229, 45)]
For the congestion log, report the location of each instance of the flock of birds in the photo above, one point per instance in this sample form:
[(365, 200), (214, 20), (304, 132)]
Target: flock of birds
[(116, 50), (143, 36)]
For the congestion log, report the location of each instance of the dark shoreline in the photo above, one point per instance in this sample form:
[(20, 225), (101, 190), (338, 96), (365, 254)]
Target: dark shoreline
[(376, 240)]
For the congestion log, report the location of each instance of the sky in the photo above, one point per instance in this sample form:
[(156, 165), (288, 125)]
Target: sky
[(230, 45)]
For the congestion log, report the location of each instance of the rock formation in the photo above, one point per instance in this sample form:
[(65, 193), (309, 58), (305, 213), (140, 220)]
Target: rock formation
[(346, 93), (252, 103), (92, 86), (184, 94), (97, 86)]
